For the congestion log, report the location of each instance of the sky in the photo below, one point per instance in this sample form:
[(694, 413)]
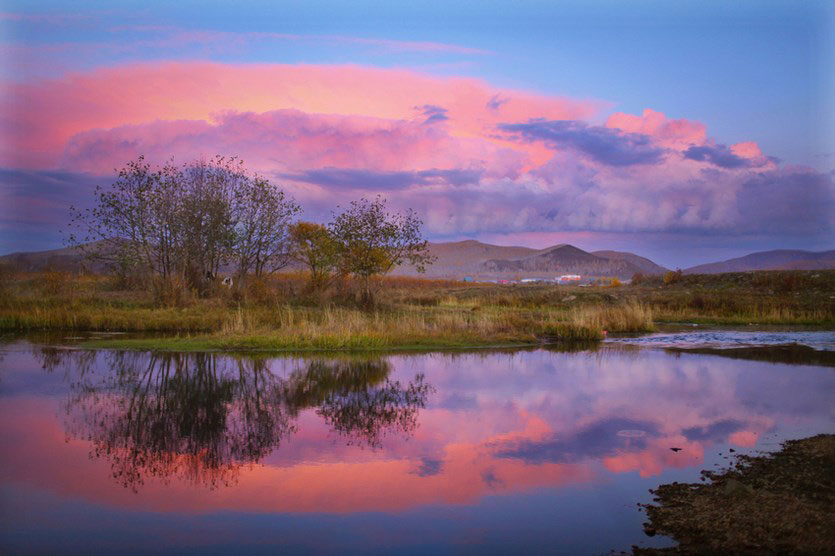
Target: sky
[(687, 132)]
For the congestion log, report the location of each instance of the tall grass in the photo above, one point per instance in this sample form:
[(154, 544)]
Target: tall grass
[(276, 312), (629, 317)]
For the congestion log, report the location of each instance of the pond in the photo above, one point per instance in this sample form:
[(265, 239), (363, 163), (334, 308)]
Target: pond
[(526, 451)]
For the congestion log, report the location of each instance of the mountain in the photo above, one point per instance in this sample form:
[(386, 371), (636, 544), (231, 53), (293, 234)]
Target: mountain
[(68, 259), (646, 265), (567, 259), (454, 260), (779, 259), (459, 258)]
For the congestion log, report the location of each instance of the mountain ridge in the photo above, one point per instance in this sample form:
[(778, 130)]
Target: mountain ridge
[(775, 259), (485, 261)]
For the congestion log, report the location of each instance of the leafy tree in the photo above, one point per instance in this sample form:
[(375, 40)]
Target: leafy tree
[(315, 247), (373, 241)]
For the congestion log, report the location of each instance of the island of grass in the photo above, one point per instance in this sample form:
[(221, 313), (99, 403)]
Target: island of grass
[(781, 503)]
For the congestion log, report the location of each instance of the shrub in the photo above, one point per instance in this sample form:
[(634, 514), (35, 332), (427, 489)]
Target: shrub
[(170, 292), (673, 277)]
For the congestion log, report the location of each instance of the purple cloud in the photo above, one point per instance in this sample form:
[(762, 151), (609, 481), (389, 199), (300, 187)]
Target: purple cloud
[(370, 179), (715, 432), (496, 102), (597, 440), (718, 155), (794, 201), (605, 145), (34, 205), (434, 114)]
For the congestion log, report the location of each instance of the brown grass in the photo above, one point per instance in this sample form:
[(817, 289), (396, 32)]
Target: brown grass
[(409, 311)]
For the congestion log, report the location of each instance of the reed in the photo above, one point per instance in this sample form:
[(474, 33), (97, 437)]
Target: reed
[(629, 317)]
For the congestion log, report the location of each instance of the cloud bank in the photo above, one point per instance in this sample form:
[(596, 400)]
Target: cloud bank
[(472, 158)]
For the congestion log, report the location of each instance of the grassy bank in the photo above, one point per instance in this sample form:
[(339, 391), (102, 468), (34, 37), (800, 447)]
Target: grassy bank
[(409, 313), (773, 504)]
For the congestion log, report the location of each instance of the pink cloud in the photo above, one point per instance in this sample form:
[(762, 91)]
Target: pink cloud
[(290, 141), (748, 149), (40, 117), (521, 163), (670, 133)]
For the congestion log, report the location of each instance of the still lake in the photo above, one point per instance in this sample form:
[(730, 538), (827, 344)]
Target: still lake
[(525, 451)]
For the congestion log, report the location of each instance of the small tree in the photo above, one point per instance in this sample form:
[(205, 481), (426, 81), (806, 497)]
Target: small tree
[(373, 241), (672, 277), (315, 247)]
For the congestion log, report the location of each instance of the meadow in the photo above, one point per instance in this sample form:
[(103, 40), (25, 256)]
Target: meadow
[(278, 312)]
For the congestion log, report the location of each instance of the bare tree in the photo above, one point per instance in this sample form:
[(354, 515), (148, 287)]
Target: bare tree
[(122, 230), (262, 230), (182, 223)]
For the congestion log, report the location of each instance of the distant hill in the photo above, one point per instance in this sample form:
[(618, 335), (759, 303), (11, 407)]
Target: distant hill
[(66, 259), (779, 259), (645, 265), (460, 258), (567, 259), (483, 261), (455, 260)]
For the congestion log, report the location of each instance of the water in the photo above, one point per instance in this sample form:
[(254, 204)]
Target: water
[(524, 452), (823, 341)]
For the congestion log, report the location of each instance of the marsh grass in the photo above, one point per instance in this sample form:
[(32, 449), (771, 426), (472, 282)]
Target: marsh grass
[(631, 316), (278, 313)]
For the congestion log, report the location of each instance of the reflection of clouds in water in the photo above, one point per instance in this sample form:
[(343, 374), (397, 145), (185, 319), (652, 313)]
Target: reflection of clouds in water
[(506, 423), (561, 407), (599, 439), (429, 466), (632, 433)]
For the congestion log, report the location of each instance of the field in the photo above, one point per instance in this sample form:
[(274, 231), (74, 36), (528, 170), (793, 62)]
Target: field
[(276, 313)]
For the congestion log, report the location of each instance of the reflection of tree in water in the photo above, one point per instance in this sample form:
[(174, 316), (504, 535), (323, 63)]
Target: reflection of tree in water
[(200, 417), (176, 415), (358, 401)]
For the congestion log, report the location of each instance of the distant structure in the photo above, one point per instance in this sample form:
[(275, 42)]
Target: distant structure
[(568, 278)]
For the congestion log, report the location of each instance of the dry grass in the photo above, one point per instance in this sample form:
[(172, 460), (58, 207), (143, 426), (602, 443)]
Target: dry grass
[(632, 316), (408, 311)]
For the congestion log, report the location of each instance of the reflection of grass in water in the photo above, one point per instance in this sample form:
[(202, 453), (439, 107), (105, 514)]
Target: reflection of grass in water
[(779, 503), (792, 354)]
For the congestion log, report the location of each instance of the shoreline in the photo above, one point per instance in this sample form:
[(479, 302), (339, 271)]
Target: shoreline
[(778, 502)]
